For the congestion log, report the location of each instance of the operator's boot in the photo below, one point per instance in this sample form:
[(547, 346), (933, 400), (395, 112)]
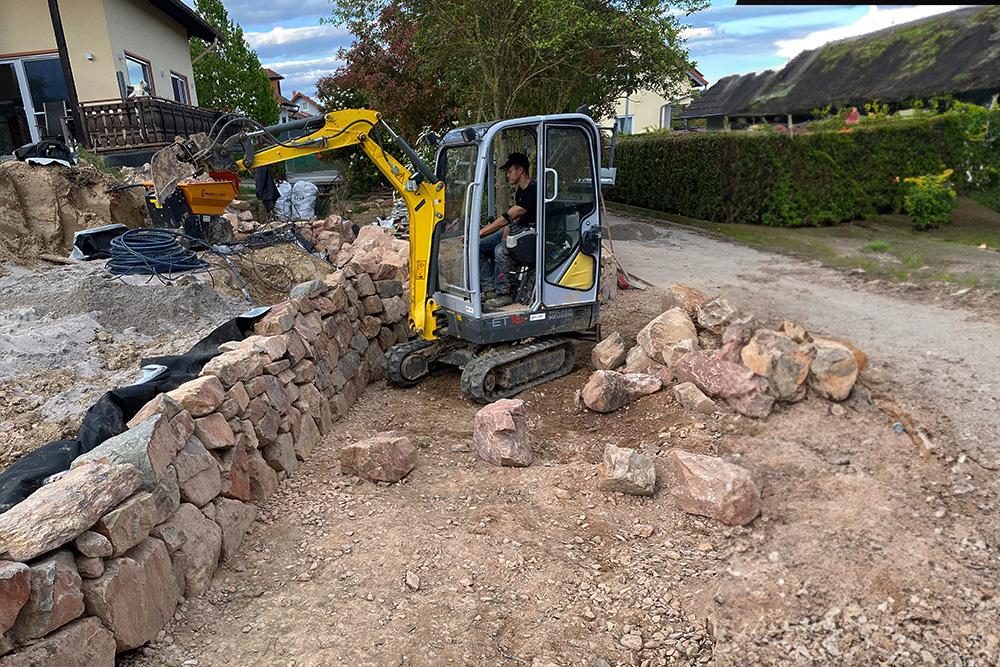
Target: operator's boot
[(500, 300)]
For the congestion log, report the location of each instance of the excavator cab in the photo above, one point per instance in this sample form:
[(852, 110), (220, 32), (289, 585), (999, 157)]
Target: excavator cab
[(503, 351), (556, 263)]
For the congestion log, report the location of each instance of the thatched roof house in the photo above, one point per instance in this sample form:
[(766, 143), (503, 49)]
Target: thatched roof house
[(957, 53)]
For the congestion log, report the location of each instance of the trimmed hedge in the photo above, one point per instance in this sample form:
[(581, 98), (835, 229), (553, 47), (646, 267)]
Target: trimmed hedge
[(809, 179)]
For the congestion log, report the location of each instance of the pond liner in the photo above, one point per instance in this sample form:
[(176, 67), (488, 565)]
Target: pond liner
[(110, 414)]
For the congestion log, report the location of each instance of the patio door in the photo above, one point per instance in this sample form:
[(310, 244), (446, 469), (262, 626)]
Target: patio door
[(26, 85)]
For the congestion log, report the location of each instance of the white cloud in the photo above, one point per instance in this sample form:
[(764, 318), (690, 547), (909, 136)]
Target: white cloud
[(875, 19), (279, 36), (694, 34)]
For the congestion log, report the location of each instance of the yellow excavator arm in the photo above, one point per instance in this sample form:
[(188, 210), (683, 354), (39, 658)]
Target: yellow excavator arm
[(421, 191)]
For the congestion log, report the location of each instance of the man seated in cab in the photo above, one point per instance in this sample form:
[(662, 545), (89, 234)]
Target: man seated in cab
[(521, 217)]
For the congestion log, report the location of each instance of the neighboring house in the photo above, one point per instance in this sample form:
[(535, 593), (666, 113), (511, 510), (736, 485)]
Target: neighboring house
[(300, 106), (648, 110), (118, 49), (306, 104), (954, 54)]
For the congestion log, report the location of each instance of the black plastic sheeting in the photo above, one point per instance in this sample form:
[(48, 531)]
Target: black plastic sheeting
[(107, 417)]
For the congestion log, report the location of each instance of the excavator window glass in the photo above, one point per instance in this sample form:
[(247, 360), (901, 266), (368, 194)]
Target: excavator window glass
[(570, 196), (457, 168)]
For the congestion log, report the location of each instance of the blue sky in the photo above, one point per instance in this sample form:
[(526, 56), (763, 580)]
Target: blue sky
[(723, 40)]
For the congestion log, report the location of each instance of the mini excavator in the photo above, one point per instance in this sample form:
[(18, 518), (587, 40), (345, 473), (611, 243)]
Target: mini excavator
[(500, 351)]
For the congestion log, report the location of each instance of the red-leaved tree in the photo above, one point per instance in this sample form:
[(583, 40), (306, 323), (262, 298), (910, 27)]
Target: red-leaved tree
[(383, 72)]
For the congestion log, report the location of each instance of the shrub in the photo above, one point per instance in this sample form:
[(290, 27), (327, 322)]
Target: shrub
[(929, 200)]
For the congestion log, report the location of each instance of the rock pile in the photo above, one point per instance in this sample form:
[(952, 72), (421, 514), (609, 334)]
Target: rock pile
[(100, 557), (717, 354)]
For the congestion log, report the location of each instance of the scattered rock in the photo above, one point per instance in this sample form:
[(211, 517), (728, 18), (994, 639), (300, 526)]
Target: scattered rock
[(834, 370), (686, 298), (691, 398), (714, 488), (500, 434), (717, 377), (385, 457), (605, 391), (717, 314), (610, 353), (412, 581), (638, 385), (667, 335), (782, 361), (626, 471)]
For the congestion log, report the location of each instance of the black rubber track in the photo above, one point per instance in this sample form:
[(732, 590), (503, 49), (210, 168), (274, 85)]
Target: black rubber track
[(392, 363), (476, 372)]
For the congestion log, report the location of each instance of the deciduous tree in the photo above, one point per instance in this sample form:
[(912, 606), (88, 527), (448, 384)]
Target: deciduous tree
[(230, 76), (520, 57)]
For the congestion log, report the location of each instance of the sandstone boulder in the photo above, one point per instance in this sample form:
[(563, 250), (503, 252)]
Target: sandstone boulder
[(711, 487), (626, 471), (201, 395), (385, 457), (691, 398), (636, 361), (83, 643), (661, 337), (610, 353), (198, 474), (55, 597), (717, 377), (686, 298), (194, 562), (500, 434), (782, 361), (128, 524), (61, 510), (638, 385), (150, 446), (15, 586), (136, 595), (234, 519), (833, 371), (605, 391), (717, 314)]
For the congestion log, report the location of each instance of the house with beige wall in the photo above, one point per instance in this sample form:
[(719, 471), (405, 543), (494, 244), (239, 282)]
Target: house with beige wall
[(117, 49), (645, 110)]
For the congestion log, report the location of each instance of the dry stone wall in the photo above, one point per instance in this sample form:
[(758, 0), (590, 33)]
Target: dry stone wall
[(95, 562)]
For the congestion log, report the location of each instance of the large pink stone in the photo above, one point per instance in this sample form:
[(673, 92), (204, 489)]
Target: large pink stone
[(385, 457), (15, 585), (500, 434), (714, 488), (717, 377)]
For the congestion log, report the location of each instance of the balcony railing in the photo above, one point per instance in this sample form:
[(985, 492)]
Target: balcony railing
[(138, 123)]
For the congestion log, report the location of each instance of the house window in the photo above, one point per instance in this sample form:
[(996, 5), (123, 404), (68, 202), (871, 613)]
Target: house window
[(26, 86), (138, 71), (180, 84), (624, 124)]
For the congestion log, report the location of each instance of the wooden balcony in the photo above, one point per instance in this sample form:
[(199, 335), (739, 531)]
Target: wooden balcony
[(139, 123)]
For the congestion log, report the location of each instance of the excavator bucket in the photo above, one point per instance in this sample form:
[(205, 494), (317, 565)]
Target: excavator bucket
[(169, 167)]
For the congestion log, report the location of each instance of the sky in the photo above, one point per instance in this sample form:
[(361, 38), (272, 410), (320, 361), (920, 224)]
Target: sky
[(724, 39)]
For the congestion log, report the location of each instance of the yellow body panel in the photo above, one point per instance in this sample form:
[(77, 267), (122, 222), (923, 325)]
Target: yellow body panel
[(580, 274)]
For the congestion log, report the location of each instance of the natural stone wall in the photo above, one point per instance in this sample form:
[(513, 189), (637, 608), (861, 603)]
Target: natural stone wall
[(99, 558)]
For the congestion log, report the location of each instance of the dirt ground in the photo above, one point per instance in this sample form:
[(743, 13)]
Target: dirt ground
[(870, 549)]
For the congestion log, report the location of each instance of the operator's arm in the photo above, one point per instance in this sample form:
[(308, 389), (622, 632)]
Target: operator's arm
[(510, 216)]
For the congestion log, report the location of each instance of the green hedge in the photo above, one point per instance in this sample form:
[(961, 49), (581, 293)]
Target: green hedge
[(810, 179)]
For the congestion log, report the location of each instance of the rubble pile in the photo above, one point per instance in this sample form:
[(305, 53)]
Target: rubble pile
[(99, 557), (713, 353), (329, 234)]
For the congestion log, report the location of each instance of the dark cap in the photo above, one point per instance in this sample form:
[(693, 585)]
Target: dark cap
[(515, 160)]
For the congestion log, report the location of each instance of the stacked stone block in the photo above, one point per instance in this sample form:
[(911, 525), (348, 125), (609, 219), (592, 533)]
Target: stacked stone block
[(98, 559)]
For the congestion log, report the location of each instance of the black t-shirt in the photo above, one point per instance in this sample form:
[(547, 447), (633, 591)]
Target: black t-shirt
[(527, 198)]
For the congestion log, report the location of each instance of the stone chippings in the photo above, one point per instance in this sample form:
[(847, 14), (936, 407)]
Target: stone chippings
[(142, 521)]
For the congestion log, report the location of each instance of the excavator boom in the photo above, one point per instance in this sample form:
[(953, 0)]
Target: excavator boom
[(421, 190)]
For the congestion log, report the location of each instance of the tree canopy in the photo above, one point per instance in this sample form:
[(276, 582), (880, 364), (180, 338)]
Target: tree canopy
[(508, 58), (230, 76)]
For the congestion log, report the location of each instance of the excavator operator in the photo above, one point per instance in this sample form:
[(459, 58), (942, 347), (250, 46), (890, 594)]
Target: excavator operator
[(520, 217)]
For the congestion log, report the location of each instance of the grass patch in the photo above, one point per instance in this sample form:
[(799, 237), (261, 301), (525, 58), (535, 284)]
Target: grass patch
[(877, 246), (100, 163)]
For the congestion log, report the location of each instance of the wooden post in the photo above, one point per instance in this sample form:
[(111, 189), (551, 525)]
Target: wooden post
[(790, 129), (74, 101)]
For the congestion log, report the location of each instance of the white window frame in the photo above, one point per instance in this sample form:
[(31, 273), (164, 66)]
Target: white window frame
[(34, 116)]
